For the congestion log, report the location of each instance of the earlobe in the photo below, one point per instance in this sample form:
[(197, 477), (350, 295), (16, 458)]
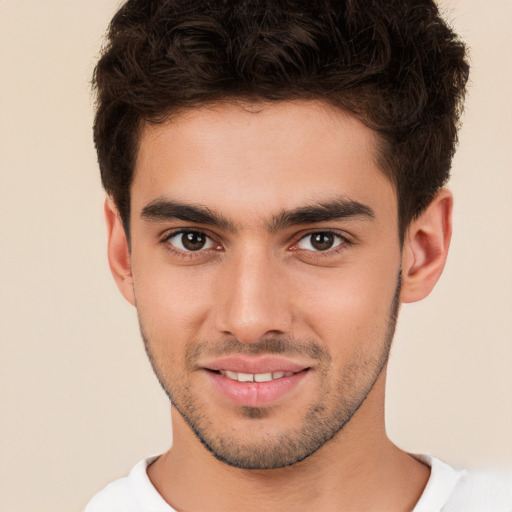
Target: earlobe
[(426, 248), (119, 251)]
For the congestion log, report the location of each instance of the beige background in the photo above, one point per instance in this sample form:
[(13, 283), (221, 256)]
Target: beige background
[(79, 404)]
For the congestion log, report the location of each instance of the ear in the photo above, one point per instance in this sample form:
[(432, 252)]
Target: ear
[(118, 251), (426, 247)]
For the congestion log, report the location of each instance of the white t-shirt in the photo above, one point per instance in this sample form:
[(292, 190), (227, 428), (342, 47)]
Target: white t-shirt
[(447, 490)]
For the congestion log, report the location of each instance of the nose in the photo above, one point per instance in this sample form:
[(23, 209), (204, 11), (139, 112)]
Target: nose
[(252, 300)]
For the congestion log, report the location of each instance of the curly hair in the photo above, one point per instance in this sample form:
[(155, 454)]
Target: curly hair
[(394, 64)]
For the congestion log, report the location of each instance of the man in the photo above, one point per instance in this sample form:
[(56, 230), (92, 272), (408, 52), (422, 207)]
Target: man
[(275, 174)]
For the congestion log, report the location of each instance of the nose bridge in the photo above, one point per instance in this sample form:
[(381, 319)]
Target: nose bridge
[(252, 301)]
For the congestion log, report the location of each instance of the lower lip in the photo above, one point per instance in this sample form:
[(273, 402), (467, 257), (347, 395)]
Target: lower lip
[(256, 394)]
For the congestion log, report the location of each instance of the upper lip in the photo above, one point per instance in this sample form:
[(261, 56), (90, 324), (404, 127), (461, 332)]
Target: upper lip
[(261, 364)]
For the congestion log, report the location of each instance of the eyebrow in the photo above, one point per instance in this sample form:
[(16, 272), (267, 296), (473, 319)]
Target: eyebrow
[(336, 209), (162, 209)]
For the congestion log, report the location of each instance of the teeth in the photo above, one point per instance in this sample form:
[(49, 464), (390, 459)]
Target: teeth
[(254, 377), (262, 377)]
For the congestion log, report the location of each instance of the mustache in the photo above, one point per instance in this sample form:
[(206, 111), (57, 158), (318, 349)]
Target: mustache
[(282, 345)]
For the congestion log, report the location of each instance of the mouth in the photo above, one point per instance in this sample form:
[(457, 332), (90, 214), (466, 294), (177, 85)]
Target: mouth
[(254, 377), (255, 382)]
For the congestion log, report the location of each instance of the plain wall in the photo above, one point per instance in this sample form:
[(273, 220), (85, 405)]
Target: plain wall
[(79, 405)]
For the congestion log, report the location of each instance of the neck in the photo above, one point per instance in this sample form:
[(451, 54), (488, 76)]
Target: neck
[(359, 469)]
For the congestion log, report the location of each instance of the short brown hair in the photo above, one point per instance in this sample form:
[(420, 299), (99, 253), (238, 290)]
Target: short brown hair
[(395, 64)]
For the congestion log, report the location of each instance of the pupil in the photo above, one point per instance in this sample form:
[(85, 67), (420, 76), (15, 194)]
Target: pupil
[(322, 241), (193, 241)]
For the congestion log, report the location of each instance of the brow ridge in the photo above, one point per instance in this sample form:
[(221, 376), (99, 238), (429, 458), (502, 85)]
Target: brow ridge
[(336, 209), (162, 209), (339, 208)]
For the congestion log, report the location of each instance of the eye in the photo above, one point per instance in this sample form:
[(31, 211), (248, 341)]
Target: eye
[(320, 241), (190, 241)]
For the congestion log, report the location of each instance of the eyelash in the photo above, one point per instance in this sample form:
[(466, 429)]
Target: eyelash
[(343, 245), (185, 254)]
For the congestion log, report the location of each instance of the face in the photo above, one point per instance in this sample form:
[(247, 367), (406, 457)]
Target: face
[(265, 260)]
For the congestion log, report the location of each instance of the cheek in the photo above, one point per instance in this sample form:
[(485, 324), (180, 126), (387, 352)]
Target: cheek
[(350, 310), (171, 302)]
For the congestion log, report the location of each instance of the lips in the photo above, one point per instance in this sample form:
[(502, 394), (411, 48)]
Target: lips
[(254, 377), (254, 365), (255, 382)]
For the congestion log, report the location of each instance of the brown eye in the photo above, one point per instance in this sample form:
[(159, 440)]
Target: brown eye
[(320, 241), (190, 241)]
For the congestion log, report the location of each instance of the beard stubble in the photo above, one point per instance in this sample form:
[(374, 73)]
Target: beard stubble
[(321, 423)]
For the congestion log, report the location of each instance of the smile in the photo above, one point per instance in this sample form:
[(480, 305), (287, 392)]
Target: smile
[(260, 389), (254, 377)]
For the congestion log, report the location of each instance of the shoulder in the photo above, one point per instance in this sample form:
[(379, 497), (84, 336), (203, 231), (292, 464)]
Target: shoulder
[(482, 491), (133, 493), (459, 490), (117, 496)]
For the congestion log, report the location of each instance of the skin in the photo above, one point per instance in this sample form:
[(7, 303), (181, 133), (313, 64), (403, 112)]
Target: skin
[(257, 283)]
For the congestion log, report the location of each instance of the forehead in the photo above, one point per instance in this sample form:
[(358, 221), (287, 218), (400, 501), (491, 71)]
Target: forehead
[(261, 156)]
